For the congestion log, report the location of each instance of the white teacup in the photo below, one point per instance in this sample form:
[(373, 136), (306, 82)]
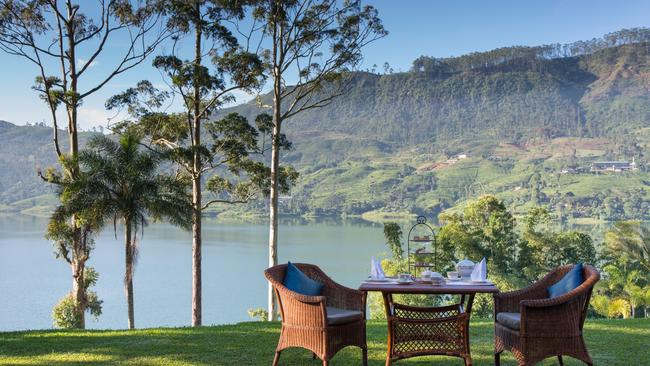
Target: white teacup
[(452, 275)]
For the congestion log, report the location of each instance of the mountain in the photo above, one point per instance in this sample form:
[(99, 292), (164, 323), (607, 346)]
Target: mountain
[(391, 142), (525, 123), (585, 96), (24, 150)]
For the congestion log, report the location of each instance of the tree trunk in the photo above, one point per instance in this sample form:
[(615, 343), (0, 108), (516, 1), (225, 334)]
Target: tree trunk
[(78, 243), (274, 192), (128, 276), (273, 219), (78, 290), (196, 251), (196, 178), (72, 64)]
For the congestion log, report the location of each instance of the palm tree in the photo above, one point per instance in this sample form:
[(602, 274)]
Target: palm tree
[(124, 184), (632, 239), (622, 281)]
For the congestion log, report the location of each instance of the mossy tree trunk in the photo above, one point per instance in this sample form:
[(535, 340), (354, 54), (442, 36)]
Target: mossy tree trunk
[(129, 247)]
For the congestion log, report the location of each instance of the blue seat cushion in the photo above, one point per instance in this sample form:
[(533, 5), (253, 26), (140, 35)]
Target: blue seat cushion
[(296, 281), (570, 281)]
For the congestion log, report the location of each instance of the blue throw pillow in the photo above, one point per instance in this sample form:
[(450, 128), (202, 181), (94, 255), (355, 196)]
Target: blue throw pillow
[(570, 281), (297, 281)]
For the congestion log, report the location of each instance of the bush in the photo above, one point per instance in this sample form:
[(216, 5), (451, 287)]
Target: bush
[(260, 314), (65, 314)]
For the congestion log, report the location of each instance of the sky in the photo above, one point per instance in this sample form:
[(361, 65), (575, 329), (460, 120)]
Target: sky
[(439, 28)]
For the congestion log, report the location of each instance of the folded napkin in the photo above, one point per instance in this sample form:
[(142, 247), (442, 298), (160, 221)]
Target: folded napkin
[(480, 271), (376, 272)]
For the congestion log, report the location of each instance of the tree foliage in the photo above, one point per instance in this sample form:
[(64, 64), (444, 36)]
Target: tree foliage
[(393, 234), (484, 229), (527, 57), (626, 284), (515, 258), (632, 240)]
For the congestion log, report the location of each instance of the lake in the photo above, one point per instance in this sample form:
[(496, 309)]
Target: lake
[(32, 280)]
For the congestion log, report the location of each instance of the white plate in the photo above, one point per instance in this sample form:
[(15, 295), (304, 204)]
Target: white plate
[(404, 282), (454, 279), (378, 280), (472, 283)]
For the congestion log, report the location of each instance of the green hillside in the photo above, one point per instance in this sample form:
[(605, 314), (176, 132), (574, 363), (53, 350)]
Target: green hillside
[(529, 120), (527, 123), (24, 150)]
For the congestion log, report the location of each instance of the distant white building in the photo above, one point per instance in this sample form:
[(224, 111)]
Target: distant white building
[(462, 156), (613, 166)]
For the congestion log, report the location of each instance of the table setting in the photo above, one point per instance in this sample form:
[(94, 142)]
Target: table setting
[(467, 274), (443, 330)]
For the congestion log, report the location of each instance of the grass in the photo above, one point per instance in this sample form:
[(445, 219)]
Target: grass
[(384, 216), (42, 205), (611, 342)]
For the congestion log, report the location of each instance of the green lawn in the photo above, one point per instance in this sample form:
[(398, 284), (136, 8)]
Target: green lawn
[(611, 342)]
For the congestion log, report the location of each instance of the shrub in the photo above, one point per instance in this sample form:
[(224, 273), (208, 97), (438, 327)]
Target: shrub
[(64, 314), (260, 314)]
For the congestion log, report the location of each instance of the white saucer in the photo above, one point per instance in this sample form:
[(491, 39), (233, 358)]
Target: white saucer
[(377, 280), (404, 282)]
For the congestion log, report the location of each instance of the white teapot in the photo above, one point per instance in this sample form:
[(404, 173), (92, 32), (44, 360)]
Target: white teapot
[(425, 275), (465, 268)]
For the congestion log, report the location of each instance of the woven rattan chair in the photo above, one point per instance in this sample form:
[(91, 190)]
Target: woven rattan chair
[(305, 322), (534, 327)]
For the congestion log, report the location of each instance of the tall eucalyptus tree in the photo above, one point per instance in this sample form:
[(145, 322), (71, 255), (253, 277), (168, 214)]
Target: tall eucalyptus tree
[(63, 39), (222, 151), (314, 46)]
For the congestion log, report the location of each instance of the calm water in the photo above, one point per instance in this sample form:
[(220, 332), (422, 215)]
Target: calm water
[(234, 256)]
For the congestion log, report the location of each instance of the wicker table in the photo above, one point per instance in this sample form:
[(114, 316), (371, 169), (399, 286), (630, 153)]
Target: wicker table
[(419, 331)]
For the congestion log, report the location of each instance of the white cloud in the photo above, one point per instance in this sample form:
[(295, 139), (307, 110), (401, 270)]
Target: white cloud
[(93, 117), (240, 98)]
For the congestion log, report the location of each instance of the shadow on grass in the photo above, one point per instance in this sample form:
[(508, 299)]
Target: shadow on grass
[(610, 342)]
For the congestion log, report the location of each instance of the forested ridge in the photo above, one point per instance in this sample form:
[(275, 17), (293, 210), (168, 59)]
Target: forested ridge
[(526, 96), (517, 112)]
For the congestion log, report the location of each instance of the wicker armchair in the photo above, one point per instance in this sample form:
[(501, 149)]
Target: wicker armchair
[(305, 320), (533, 326)]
